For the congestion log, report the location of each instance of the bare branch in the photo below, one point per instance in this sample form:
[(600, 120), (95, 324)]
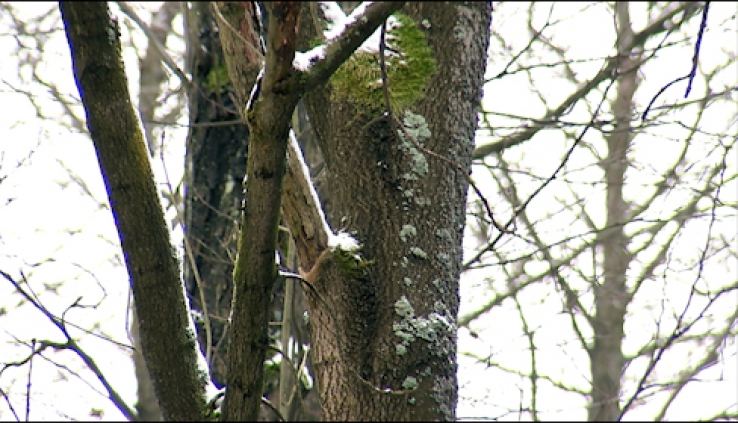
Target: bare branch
[(153, 39), (608, 71), (71, 344)]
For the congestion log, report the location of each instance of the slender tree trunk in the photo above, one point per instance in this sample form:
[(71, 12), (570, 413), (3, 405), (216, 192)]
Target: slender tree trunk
[(611, 294), (167, 345), (217, 146)]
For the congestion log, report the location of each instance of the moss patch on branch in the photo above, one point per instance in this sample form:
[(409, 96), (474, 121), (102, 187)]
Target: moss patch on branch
[(359, 79)]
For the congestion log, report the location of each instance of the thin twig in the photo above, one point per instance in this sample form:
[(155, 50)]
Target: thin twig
[(128, 11), (10, 405), (697, 44), (71, 344), (28, 384), (568, 154), (695, 61)]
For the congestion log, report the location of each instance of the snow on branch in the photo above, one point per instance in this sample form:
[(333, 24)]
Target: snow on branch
[(338, 26), (304, 174), (304, 214), (346, 35)]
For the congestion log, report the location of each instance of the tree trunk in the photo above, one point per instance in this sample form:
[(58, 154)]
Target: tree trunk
[(385, 341), (168, 347), (611, 295), (217, 147)]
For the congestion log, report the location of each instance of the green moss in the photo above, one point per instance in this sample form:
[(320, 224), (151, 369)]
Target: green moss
[(359, 79), (217, 79), (351, 264)]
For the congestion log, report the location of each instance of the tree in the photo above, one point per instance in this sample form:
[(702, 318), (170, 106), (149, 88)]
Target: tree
[(383, 334), (566, 175), (610, 192)]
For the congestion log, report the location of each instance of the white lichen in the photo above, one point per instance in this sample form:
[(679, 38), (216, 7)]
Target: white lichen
[(423, 201), (403, 308), (410, 382), (443, 234), (444, 258), (437, 284), (408, 282), (407, 232), (418, 252), (417, 128), (435, 329)]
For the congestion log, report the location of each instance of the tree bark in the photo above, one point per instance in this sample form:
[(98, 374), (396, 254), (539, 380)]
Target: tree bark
[(269, 120), (152, 76), (255, 271), (170, 350), (385, 342)]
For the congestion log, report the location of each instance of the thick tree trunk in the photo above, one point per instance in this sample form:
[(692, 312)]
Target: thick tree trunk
[(385, 342)]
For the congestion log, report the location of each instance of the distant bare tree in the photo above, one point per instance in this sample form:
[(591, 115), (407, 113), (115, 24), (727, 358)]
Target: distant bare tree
[(604, 223)]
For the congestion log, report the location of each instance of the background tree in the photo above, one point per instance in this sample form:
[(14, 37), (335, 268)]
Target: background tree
[(619, 169)]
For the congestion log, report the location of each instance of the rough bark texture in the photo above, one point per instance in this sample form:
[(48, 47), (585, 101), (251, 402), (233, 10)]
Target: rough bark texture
[(152, 77), (255, 271), (350, 372), (386, 328), (612, 296), (169, 350)]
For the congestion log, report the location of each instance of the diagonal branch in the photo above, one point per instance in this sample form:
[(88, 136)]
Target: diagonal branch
[(339, 50), (71, 344), (608, 71)]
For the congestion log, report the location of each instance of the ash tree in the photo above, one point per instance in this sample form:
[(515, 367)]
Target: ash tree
[(391, 92)]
